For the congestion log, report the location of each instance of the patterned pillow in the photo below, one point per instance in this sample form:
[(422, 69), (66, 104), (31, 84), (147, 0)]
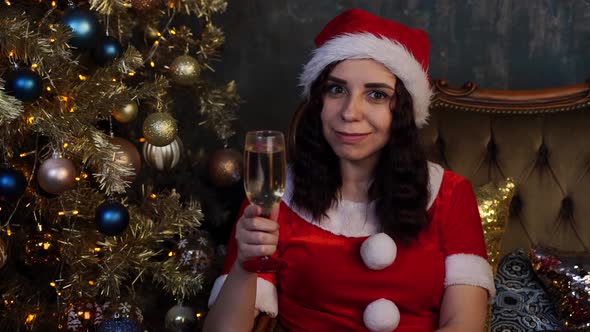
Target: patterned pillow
[(521, 303)]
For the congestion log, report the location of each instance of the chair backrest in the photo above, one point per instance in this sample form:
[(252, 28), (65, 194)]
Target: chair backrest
[(540, 138)]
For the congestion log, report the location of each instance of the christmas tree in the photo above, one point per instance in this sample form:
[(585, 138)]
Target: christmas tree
[(94, 235)]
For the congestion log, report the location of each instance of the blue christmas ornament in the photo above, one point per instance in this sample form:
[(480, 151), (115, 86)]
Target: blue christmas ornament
[(111, 218), (85, 27), (24, 84), (12, 183), (107, 50), (119, 325)]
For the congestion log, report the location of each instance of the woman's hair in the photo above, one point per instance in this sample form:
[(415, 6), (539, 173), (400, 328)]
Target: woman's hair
[(400, 186)]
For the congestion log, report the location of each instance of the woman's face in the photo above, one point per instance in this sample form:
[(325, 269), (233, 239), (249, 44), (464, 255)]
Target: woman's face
[(356, 117)]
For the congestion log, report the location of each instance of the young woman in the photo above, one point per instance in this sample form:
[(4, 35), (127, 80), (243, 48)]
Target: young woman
[(375, 238)]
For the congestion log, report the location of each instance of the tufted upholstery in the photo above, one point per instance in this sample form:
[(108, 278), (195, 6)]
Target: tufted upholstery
[(541, 138)]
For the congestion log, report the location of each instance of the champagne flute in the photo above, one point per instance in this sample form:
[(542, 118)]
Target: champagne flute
[(265, 165)]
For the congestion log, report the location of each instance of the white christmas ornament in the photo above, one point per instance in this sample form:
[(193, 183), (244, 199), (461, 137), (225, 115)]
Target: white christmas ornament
[(378, 251), (381, 316)]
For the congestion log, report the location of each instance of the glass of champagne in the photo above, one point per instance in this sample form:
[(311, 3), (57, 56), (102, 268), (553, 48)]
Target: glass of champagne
[(265, 163)]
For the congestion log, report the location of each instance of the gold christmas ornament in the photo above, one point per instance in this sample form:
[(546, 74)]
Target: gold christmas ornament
[(145, 5), (165, 157), (3, 252), (493, 200), (57, 175), (127, 114), (160, 128), (225, 167), (185, 70), (127, 155), (42, 248)]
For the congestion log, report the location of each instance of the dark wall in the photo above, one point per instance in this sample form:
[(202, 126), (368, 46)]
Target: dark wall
[(502, 44)]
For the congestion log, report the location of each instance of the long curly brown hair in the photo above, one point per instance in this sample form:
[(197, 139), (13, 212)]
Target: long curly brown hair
[(400, 186)]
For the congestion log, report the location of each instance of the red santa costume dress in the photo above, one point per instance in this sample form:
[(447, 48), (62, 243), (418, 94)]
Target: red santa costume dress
[(343, 273)]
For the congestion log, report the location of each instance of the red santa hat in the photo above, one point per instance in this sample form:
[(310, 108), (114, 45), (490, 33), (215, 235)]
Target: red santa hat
[(356, 34)]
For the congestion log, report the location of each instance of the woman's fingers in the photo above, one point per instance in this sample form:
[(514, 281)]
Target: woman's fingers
[(260, 224), (256, 250)]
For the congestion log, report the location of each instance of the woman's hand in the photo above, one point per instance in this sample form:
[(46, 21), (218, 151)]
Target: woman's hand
[(255, 236)]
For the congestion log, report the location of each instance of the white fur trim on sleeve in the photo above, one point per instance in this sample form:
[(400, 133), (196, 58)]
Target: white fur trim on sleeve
[(266, 295), (393, 55), (467, 269)]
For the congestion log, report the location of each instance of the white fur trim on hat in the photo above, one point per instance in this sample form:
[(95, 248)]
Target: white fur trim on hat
[(378, 251), (266, 295), (467, 269), (390, 53), (381, 316)]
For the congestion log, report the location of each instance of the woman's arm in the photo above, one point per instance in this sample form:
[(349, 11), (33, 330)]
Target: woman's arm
[(464, 308), (234, 308)]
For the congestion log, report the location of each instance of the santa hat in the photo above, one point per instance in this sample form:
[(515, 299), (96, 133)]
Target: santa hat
[(356, 34)]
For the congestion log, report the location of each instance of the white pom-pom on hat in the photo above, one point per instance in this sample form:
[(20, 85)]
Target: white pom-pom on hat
[(378, 251), (381, 316)]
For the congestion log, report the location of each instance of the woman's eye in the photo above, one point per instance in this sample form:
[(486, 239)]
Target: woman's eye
[(335, 89), (378, 95)]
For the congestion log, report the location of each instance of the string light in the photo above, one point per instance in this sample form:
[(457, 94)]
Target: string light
[(82, 77), (131, 74), (152, 64), (30, 120), (142, 139), (172, 32), (65, 145), (48, 88)]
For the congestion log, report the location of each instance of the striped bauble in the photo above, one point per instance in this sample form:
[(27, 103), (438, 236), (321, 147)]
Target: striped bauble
[(165, 157)]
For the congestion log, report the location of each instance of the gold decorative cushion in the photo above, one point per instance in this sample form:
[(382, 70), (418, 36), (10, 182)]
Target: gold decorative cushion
[(493, 200)]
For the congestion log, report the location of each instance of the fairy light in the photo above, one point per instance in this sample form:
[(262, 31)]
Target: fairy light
[(91, 283), (52, 39), (170, 4), (199, 315), (11, 53), (30, 318), (97, 249), (131, 74), (153, 196), (171, 253), (114, 80), (172, 32), (65, 145), (48, 88), (53, 4), (82, 77), (30, 120), (77, 178), (63, 98), (52, 284), (34, 66), (152, 64), (141, 139), (7, 2), (8, 232), (71, 110), (156, 43)]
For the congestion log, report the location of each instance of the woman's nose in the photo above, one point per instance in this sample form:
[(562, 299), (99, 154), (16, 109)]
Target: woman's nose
[(353, 109)]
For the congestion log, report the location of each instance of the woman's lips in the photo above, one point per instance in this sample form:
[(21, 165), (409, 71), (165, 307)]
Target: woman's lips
[(351, 137)]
